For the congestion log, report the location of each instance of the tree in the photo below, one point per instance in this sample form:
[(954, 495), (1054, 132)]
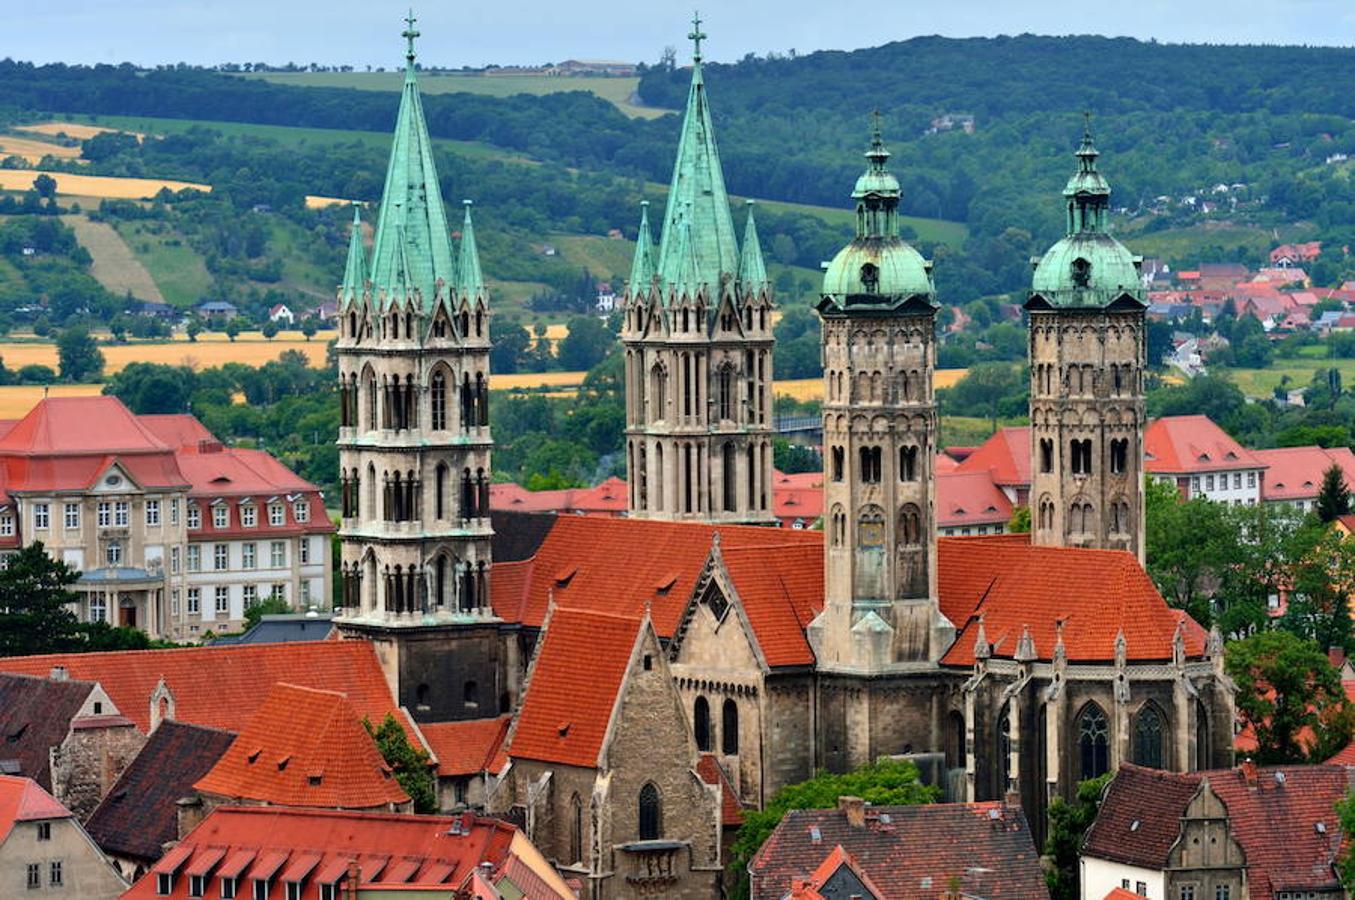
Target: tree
[(194, 328), (269, 606), (1020, 520), (45, 185), (269, 329), (34, 597), (1068, 823), (409, 763), (309, 327), (587, 343), (1345, 863), (986, 387), (511, 341), (233, 328), (1333, 499), (1290, 696), (793, 458), (78, 356), (886, 782)]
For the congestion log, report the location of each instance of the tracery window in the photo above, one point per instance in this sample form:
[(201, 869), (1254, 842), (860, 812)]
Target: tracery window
[(1093, 742)]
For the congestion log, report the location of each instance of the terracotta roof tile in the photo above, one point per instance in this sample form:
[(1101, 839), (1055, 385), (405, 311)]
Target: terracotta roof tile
[(304, 747), (574, 685), (731, 810), (1295, 473), (23, 800), (970, 498), (908, 851), (1175, 445), (140, 812), (781, 589), (469, 747), (1006, 455)]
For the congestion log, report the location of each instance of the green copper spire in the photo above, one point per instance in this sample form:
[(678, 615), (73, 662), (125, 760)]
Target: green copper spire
[(355, 273), (697, 192), (411, 230), (752, 270), (642, 268), (686, 279), (470, 280), (1087, 192)]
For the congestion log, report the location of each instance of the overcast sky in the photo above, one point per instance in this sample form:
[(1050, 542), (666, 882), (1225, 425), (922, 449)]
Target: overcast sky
[(475, 32)]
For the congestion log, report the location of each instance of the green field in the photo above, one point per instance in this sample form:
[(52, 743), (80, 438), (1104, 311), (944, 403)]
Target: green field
[(1261, 383), (175, 267), (618, 91), (1185, 244), (969, 431)]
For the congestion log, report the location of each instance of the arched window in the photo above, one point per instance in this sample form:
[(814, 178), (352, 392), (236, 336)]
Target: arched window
[(725, 393), (438, 400), (955, 741), (651, 813), (1204, 757), (701, 723), (439, 500), (1148, 737), (729, 728), (839, 457), (1004, 751), (575, 829), (1046, 455), (910, 525), (1119, 456), (907, 464), (1093, 742)]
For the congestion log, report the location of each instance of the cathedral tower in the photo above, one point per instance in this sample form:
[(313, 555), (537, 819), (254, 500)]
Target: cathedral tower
[(1087, 355), (698, 339), (414, 441), (879, 436)]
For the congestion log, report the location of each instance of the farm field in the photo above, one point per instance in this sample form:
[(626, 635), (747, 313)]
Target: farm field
[(211, 349), (620, 92), (177, 270), (71, 129), (96, 185), (1261, 383), (938, 231), (115, 265), (34, 150), (1186, 243)]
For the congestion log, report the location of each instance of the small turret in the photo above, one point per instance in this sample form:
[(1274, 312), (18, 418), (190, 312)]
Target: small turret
[(752, 269), (642, 267), (355, 272), (470, 280)]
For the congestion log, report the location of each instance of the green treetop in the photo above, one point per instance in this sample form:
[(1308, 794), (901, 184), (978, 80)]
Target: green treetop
[(413, 247)]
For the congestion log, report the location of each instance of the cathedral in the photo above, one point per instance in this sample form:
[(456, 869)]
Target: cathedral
[(1007, 667)]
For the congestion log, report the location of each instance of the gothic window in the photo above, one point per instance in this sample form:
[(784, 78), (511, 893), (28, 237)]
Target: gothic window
[(1119, 517), (729, 728), (658, 474), (1082, 272), (1119, 455), (470, 693), (838, 455), (1080, 455), (910, 525), (955, 741), (701, 723), (1046, 512), (725, 393), (870, 465), (651, 813), (658, 393), (1004, 751), (576, 829), (730, 476), (1081, 519), (1046, 455), (908, 464), (438, 401), (1203, 757), (1093, 742), (371, 401), (1148, 732), (870, 278), (439, 499)]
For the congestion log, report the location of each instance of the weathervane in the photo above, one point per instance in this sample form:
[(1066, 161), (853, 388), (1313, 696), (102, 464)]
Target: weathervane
[(409, 34), (696, 37)]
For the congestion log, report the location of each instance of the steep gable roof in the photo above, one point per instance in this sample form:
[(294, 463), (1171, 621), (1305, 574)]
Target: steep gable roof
[(177, 430), (469, 747), (35, 716), (24, 800), (1006, 455), (574, 685), (304, 747), (221, 687), (1140, 816), (970, 498), (781, 590), (731, 810), (140, 813)]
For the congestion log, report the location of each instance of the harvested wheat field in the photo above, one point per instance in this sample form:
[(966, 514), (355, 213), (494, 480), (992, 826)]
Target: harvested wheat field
[(33, 151), (96, 185), (525, 381), (73, 130), (17, 400), (205, 354), (315, 201), (804, 389)]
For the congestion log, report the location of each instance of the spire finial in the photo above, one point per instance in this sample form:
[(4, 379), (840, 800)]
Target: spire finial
[(696, 37), (409, 34), (876, 132), (1087, 124)]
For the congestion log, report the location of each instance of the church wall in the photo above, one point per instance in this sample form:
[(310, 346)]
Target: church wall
[(431, 670), (549, 816), (789, 748)]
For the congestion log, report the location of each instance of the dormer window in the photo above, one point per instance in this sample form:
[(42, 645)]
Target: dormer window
[(276, 516), (1082, 272), (194, 515), (221, 516), (870, 278), (301, 511)]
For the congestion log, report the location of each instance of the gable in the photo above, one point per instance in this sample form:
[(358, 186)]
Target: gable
[(714, 632)]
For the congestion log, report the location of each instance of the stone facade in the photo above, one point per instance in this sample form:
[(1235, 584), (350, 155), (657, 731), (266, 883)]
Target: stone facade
[(53, 856), (91, 759)]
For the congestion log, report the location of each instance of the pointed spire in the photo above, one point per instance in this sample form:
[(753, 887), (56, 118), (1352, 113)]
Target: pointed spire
[(686, 279), (642, 268), (1025, 646), (752, 270), (982, 649), (697, 192), (355, 273), (1087, 192), (411, 230), (470, 279)]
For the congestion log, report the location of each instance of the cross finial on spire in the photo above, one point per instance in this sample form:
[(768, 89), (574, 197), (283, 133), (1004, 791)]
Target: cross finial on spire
[(876, 131), (409, 34), (696, 37), (1087, 124)]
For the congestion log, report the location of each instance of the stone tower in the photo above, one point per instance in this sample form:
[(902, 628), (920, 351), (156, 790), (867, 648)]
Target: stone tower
[(414, 441), (879, 436), (1087, 355), (698, 339)]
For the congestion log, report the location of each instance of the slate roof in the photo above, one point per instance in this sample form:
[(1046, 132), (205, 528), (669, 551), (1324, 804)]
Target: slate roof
[(1274, 820), (517, 535), (140, 812), (573, 686), (23, 800), (468, 747), (304, 747), (35, 716), (284, 627), (908, 852), (221, 687)]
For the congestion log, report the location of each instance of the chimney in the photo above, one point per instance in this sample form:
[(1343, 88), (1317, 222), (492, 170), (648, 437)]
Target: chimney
[(1249, 773), (855, 808), (59, 673), (350, 884)]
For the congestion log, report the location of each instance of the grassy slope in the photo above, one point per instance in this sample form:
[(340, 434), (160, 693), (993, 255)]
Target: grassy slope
[(1260, 383), (938, 231), (618, 91), (176, 268), (1185, 243)]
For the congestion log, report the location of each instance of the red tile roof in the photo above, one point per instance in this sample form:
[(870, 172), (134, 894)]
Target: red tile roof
[(908, 851), (574, 685), (607, 498), (1176, 445), (731, 810), (781, 589), (1010, 586), (444, 850), (798, 496), (178, 430), (22, 800), (140, 813), (1287, 800), (304, 747), (222, 686), (469, 747), (1006, 455), (970, 498), (1120, 893), (1295, 473)]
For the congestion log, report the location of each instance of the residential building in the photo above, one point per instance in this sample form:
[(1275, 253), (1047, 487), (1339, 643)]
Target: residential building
[(1006, 457), (218, 310), (304, 854), (697, 332), (901, 853), (1247, 833), (605, 499), (1294, 474), (139, 815), (469, 754), (43, 850), (970, 503), (281, 314), (1202, 460)]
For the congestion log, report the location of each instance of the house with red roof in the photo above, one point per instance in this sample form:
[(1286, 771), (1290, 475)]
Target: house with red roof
[(1294, 474), (43, 850), (900, 853), (1287, 255), (1005, 456), (1202, 460), (1253, 832), (468, 755), (310, 854), (603, 766)]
